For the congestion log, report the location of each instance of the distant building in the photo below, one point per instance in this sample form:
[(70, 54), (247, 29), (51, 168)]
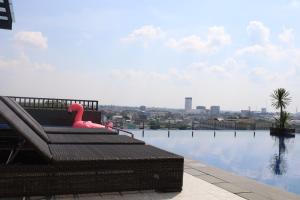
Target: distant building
[(215, 110), (142, 108), (201, 110), (297, 116), (263, 110), (245, 113), (118, 120), (188, 104), (200, 107)]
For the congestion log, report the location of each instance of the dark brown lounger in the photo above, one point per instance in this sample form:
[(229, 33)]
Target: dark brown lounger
[(66, 134), (71, 130), (34, 166), (92, 139), (25, 116), (60, 137)]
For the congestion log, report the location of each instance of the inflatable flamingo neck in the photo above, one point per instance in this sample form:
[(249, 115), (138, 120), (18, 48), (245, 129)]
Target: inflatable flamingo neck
[(77, 107)]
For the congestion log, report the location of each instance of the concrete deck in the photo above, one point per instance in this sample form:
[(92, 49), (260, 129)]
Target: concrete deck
[(199, 182)]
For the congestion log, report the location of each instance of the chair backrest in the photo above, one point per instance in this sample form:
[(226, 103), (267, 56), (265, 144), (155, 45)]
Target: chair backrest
[(54, 117), (25, 130), (25, 116)]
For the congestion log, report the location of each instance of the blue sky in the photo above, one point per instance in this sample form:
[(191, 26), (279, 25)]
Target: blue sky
[(153, 53)]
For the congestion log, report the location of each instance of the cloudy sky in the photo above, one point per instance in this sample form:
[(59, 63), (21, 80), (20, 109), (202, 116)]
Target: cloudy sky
[(153, 52)]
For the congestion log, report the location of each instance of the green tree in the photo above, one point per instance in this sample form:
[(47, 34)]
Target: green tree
[(285, 117), (154, 124), (280, 100)]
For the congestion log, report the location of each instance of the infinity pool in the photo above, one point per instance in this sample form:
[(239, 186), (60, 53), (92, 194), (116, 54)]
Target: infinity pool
[(271, 160)]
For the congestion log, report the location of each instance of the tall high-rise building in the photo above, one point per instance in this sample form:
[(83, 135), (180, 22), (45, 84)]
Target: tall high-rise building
[(188, 104), (215, 110)]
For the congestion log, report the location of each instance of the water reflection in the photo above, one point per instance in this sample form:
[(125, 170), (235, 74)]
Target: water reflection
[(278, 163)]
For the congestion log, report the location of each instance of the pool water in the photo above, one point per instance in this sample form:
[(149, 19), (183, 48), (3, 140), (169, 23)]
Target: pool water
[(257, 155)]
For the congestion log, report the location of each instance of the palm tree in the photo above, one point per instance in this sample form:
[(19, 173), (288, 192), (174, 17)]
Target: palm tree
[(280, 100), (285, 117)]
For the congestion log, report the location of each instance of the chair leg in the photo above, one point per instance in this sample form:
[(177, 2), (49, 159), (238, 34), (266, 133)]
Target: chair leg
[(14, 151)]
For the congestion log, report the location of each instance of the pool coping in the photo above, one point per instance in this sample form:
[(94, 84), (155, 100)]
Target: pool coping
[(239, 185)]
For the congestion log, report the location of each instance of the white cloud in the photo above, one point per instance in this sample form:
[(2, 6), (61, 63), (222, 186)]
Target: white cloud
[(271, 77), (298, 57), (250, 50), (224, 69), (232, 64), (192, 42), (23, 62), (144, 34), (267, 61), (181, 75), (287, 36), (127, 74), (216, 39), (35, 39), (261, 73), (138, 75), (294, 3), (268, 51), (217, 69), (270, 63), (264, 52), (199, 66), (258, 32), (159, 76), (172, 75)]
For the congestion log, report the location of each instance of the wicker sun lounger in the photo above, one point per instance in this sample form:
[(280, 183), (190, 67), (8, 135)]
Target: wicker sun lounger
[(59, 136), (71, 130), (32, 165), (24, 115)]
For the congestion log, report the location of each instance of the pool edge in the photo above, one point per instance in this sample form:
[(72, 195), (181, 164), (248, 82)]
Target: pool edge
[(239, 185)]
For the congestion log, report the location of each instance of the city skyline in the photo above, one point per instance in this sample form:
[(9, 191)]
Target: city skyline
[(262, 109), (232, 54)]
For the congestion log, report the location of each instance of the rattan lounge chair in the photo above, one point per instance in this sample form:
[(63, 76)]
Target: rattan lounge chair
[(24, 115), (59, 136), (33, 164)]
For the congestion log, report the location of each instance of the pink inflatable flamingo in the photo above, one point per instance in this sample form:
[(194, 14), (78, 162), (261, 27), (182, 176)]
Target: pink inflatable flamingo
[(78, 123)]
